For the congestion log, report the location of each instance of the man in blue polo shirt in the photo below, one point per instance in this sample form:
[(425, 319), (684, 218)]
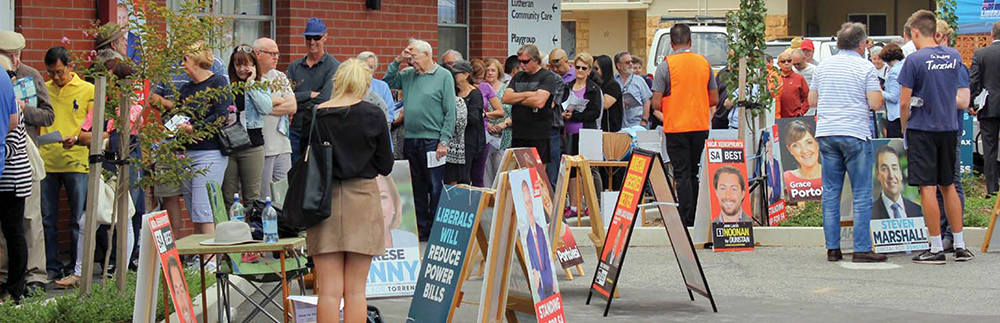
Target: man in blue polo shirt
[(933, 86)]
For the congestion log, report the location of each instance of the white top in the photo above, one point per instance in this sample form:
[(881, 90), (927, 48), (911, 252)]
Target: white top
[(276, 128), (807, 72), (888, 206), (842, 107)]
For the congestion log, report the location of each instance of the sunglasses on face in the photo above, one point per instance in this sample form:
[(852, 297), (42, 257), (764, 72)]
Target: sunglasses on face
[(782, 61), (582, 68), (524, 61), (313, 37), (625, 63)]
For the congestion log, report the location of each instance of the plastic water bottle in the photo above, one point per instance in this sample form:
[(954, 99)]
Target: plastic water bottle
[(270, 218), (236, 212)]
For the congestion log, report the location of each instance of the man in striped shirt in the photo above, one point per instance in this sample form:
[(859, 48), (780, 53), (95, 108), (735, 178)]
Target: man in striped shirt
[(844, 89)]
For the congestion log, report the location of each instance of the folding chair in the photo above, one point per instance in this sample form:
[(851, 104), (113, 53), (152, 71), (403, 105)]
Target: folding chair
[(264, 271)]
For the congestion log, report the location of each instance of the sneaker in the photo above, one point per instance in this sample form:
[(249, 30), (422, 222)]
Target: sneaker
[(870, 256), (834, 255), (569, 213), (962, 254), (930, 258)]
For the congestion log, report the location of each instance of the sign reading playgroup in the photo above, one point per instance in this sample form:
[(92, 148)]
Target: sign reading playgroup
[(536, 22), (445, 256), (898, 235)]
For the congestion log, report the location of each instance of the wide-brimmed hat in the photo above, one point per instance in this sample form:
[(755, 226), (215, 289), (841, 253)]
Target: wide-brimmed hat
[(230, 233), (11, 41), (111, 33)]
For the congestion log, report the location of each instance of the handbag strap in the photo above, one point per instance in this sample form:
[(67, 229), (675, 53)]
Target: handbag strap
[(312, 127)]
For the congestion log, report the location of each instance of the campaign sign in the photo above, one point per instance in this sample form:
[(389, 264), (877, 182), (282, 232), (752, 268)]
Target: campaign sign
[(395, 272), (622, 222), (965, 145), (531, 227), (800, 160), (776, 213), (899, 235), (732, 226), (447, 249), (569, 253), (170, 261)]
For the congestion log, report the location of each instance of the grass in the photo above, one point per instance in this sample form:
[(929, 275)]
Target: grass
[(977, 207), (105, 304)]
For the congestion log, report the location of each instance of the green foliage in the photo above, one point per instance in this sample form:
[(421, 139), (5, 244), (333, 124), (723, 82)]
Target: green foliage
[(746, 39), (810, 214), (104, 304), (946, 11)]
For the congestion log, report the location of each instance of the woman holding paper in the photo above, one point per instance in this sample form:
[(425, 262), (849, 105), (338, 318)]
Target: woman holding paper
[(581, 104)]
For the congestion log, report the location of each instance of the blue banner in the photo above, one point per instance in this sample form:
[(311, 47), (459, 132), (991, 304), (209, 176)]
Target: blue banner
[(977, 16), (444, 258), (965, 146)]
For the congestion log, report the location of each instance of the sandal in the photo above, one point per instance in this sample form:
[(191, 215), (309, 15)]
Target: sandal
[(71, 281)]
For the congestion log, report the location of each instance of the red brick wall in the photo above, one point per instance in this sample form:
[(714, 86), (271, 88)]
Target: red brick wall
[(352, 28), (44, 23), (488, 29)]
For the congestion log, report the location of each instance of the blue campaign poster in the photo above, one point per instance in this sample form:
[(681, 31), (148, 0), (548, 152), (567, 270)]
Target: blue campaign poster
[(965, 146), (976, 16), (447, 248)]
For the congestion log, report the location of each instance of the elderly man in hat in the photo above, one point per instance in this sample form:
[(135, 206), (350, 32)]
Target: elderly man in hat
[(311, 76), (38, 112)]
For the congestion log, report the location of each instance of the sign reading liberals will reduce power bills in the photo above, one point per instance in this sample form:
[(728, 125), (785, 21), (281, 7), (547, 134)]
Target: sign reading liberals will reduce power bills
[(445, 256), (899, 235)]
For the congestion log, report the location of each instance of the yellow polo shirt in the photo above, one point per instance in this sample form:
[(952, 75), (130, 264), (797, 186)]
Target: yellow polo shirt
[(71, 104)]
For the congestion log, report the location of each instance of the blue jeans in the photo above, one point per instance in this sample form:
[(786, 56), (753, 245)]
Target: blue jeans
[(293, 137), (196, 188), (427, 183), (853, 156), (76, 190), (555, 155)]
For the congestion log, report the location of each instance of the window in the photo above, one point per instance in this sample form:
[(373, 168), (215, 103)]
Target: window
[(713, 45), (569, 38), (251, 19), (7, 16), (875, 22), (453, 26)]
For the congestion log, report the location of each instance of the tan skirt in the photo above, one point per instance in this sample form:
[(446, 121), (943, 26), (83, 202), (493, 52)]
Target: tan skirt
[(355, 224)]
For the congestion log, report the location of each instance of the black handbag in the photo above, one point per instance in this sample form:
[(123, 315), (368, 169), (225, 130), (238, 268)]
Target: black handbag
[(308, 199), (233, 137)]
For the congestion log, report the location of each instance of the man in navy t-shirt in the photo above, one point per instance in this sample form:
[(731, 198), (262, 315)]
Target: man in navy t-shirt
[(933, 87)]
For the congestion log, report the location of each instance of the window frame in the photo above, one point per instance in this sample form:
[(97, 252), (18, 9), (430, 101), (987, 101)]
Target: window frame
[(868, 20), (465, 26)]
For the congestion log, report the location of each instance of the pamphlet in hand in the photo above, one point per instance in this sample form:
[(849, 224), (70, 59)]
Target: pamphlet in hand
[(174, 122), (575, 103), (24, 89), (433, 161), (50, 138)]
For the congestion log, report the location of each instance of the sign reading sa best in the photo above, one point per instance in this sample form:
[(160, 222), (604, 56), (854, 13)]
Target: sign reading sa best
[(536, 22)]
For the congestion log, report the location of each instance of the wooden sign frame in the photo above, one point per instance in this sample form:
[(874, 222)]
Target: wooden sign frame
[(991, 228), (665, 198)]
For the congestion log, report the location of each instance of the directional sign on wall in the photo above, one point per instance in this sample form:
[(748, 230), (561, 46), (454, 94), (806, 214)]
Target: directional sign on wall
[(534, 22)]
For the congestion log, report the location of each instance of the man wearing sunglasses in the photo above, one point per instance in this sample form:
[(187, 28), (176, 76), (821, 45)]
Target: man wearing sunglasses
[(794, 97), (311, 76), (531, 92)]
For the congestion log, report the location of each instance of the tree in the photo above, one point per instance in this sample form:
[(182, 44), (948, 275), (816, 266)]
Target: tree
[(946, 11)]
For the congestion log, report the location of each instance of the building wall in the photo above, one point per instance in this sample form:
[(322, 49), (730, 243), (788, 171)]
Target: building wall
[(488, 29), (829, 15), (608, 32), (685, 8), (44, 23)]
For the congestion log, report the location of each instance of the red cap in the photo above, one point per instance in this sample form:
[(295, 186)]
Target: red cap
[(807, 45)]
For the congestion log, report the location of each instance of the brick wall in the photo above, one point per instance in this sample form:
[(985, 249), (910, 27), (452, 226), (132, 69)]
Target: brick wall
[(637, 45), (352, 28), (776, 26), (488, 29), (582, 34), (44, 23)]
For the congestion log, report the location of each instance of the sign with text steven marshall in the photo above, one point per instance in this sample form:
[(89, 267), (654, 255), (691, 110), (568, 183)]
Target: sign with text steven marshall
[(445, 256), (899, 235)]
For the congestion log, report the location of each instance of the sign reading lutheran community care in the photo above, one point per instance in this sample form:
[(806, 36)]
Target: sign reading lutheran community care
[(899, 235), (445, 256), (536, 22)]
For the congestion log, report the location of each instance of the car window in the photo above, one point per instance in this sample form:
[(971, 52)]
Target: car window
[(776, 49), (713, 45)]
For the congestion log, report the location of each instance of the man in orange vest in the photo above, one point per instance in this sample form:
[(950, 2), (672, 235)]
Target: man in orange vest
[(686, 94)]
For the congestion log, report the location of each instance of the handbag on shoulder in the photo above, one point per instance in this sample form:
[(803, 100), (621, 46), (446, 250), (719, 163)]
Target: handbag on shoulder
[(233, 137), (307, 202)]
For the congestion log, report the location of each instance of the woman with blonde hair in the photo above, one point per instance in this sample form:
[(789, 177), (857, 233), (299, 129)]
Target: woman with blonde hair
[(343, 245)]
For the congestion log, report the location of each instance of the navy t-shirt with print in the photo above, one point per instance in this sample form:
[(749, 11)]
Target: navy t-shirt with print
[(935, 75)]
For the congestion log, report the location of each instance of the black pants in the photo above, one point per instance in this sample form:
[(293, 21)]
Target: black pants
[(894, 129), (12, 223), (990, 130), (685, 150)]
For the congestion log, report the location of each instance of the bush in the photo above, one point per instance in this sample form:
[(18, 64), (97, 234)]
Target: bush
[(105, 304)]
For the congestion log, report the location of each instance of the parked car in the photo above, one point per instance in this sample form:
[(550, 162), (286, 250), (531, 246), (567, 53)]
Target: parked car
[(710, 41)]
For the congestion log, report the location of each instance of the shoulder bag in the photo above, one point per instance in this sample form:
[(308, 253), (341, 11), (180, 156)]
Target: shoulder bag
[(233, 137), (309, 196)]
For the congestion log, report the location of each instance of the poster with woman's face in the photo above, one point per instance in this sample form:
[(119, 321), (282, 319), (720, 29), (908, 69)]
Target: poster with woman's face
[(395, 273), (892, 197), (800, 159)]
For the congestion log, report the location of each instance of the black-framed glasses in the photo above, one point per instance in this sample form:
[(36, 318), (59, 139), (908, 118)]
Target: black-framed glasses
[(244, 48), (782, 61), (582, 68), (313, 37), (275, 53)]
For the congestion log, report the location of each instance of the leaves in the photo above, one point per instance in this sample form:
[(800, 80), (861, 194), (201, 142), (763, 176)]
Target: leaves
[(746, 31), (946, 11)]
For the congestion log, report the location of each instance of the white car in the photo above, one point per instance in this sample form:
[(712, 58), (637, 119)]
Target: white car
[(709, 41)]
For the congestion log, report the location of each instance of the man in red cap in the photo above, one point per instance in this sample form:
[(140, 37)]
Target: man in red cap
[(808, 48)]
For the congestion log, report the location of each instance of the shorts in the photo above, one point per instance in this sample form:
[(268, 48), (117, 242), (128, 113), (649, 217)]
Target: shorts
[(931, 157), (167, 190), (542, 145)]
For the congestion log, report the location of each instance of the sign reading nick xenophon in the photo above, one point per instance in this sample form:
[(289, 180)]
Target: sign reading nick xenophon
[(445, 256), (536, 22), (899, 235)]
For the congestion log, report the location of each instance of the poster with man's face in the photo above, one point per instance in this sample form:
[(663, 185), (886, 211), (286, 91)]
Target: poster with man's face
[(892, 197), (526, 194), (800, 159), (728, 181)]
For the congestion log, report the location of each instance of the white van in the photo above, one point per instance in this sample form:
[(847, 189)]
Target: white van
[(709, 41)]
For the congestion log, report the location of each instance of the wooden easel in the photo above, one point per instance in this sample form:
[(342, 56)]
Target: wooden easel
[(586, 180), (994, 214)]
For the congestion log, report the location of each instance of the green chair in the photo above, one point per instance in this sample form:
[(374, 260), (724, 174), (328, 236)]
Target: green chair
[(256, 273)]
